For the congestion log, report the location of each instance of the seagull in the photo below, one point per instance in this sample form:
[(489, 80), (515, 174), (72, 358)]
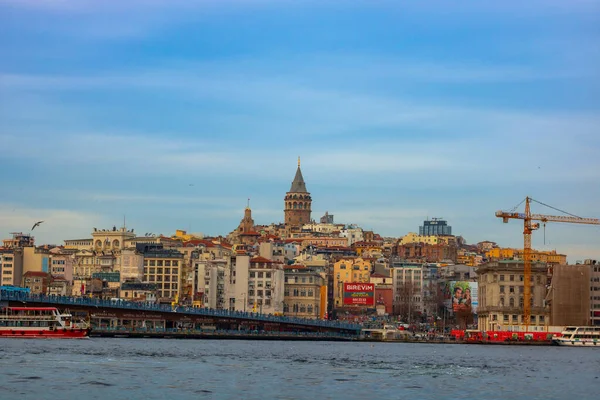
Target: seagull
[(36, 224)]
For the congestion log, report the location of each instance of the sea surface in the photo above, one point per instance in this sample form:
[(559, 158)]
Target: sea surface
[(215, 369)]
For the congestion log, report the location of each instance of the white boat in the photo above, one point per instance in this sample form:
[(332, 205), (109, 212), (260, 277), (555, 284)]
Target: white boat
[(579, 336)]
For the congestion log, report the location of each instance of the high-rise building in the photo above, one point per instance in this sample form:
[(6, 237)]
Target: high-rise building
[(435, 227)]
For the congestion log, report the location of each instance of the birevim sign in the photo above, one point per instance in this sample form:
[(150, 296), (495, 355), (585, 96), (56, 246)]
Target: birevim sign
[(359, 294)]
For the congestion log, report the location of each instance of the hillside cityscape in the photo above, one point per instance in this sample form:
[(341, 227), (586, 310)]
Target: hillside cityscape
[(315, 270)]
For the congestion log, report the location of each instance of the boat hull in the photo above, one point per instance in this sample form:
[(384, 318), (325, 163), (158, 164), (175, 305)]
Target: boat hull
[(576, 343), (45, 334)]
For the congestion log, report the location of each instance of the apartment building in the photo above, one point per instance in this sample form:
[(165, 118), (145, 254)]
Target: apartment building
[(305, 293)]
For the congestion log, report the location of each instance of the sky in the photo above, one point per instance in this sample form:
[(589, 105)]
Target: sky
[(173, 113)]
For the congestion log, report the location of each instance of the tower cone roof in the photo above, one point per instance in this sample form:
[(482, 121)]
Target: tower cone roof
[(298, 185)]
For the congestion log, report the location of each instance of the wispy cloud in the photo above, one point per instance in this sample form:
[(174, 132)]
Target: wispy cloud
[(57, 222)]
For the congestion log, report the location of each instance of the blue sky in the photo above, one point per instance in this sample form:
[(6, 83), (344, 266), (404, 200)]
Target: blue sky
[(400, 110)]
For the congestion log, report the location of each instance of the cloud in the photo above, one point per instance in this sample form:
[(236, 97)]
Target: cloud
[(59, 224)]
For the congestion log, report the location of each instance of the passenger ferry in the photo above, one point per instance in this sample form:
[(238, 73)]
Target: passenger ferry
[(587, 336), (40, 322)]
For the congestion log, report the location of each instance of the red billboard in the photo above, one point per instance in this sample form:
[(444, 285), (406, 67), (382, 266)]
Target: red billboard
[(359, 294)]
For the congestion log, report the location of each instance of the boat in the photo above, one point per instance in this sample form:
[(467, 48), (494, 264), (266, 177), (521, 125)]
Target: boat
[(40, 322), (579, 336)]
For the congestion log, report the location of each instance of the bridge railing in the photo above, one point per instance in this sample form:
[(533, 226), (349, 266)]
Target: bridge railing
[(146, 306)]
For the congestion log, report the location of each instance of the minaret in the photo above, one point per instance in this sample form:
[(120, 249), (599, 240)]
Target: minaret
[(297, 205)]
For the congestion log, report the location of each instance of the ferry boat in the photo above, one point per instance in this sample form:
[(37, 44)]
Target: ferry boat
[(579, 336), (40, 322)]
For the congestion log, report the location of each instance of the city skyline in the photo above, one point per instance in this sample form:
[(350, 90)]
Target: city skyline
[(174, 113)]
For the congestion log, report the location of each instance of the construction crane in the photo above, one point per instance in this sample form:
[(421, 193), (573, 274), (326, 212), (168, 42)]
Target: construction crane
[(528, 228)]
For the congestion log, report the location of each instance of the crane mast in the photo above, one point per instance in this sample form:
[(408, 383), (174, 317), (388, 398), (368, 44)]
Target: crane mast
[(528, 228)]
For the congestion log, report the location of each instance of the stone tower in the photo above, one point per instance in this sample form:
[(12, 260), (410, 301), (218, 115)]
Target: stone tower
[(297, 206)]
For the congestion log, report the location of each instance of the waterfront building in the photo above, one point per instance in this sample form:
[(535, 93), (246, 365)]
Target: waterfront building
[(594, 292), (237, 283), (11, 266), (210, 282), (569, 295), (349, 270), (59, 287), (408, 283), (305, 293), (266, 286), (435, 227), (297, 202), (36, 281), (131, 265), (139, 291), (501, 295), (163, 268)]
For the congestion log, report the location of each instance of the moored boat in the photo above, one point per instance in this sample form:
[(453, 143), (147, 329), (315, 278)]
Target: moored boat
[(40, 322), (579, 336)]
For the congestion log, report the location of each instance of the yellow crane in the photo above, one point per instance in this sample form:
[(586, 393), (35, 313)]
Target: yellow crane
[(528, 228)]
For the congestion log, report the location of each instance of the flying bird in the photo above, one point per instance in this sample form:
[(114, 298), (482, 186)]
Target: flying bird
[(36, 224)]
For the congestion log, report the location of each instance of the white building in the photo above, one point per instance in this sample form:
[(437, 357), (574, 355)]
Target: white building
[(266, 286), (407, 281), (210, 282)]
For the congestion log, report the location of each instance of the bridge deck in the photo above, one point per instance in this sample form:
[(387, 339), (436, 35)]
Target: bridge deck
[(180, 310)]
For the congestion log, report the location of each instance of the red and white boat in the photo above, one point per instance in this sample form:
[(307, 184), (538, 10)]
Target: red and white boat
[(40, 322)]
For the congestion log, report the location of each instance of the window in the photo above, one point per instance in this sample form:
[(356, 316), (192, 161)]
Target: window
[(252, 274), (515, 319), (512, 278), (153, 263), (267, 274), (310, 308), (260, 274), (541, 319), (511, 289), (159, 263), (295, 292), (310, 280), (310, 293), (501, 288), (505, 319), (501, 278), (260, 293), (501, 301), (521, 278), (511, 302), (175, 263), (303, 292), (167, 263)]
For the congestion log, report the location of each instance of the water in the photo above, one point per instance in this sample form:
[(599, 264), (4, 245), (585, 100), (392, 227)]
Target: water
[(211, 369)]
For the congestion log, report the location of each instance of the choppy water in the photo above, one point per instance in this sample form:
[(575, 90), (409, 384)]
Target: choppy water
[(198, 369)]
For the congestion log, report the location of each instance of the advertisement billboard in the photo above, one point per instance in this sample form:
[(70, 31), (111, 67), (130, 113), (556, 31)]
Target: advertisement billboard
[(359, 294), (464, 297)]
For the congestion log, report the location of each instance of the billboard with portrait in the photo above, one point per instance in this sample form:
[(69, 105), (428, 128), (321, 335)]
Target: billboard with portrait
[(464, 298)]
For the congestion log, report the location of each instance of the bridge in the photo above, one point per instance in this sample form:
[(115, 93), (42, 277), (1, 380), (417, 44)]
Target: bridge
[(127, 318)]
